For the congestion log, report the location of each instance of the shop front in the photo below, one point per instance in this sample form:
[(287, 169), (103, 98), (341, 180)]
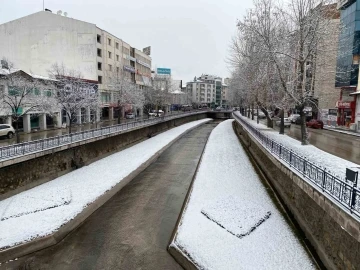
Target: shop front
[(346, 113)]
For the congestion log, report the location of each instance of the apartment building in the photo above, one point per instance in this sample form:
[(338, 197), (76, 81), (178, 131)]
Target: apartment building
[(35, 42), (206, 89)]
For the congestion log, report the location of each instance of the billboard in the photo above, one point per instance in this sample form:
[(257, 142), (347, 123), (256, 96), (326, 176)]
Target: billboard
[(163, 71), (147, 50)]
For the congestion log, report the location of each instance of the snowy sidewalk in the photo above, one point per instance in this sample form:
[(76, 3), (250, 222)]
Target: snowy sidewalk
[(42, 210), (230, 221), (333, 164)]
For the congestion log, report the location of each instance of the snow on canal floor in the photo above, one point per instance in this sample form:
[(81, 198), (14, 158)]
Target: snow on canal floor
[(42, 210), (331, 163), (230, 221)]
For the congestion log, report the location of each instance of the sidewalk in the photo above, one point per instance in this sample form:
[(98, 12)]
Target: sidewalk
[(342, 130), (52, 132), (63, 203), (229, 220), (333, 164)]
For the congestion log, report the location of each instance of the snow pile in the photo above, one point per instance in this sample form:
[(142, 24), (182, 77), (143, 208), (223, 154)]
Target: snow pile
[(66, 196), (230, 191), (333, 164)]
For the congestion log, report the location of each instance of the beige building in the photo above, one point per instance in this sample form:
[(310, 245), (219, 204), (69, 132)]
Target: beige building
[(35, 42), (324, 90)]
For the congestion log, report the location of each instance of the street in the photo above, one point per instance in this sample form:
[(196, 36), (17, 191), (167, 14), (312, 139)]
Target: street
[(132, 230), (339, 144)]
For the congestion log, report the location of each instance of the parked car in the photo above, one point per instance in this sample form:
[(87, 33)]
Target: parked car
[(261, 115), (186, 108), (218, 108), (287, 122), (7, 130), (293, 117), (130, 116), (151, 113), (314, 123)]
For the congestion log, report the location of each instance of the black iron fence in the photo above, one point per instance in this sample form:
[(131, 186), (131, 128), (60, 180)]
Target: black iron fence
[(342, 191), (20, 149)]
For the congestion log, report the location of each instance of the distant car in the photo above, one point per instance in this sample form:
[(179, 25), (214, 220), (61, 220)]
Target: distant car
[(218, 109), (7, 130), (315, 124), (186, 108), (151, 114), (130, 116), (261, 115), (293, 117), (287, 122)]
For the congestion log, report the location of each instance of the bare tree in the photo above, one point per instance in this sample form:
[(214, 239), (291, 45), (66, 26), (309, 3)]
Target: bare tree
[(162, 86), (74, 92), (23, 95), (125, 92), (289, 39)]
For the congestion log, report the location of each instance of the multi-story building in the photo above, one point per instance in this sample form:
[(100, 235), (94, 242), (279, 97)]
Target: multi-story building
[(207, 89), (35, 42), (347, 67)]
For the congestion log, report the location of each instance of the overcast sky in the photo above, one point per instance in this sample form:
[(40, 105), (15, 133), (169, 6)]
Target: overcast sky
[(189, 36)]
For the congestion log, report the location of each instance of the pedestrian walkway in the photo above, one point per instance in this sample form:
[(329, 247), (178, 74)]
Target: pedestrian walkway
[(230, 221), (343, 131)]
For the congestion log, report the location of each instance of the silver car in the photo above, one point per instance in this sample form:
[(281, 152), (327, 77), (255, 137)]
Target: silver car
[(7, 130)]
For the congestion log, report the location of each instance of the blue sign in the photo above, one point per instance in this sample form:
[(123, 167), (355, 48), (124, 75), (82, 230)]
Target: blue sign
[(165, 71)]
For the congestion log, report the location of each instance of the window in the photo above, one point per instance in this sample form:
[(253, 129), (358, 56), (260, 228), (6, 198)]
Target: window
[(99, 52), (109, 54), (99, 66), (2, 89), (98, 38), (117, 45), (117, 57), (47, 92), (100, 79), (117, 69), (110, 67), (109, 41)]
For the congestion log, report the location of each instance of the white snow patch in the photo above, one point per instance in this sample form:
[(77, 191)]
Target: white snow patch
[(85, 185), (226, 177), (333, 164)]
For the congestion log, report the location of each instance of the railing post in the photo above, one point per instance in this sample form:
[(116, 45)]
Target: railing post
[(353, 198), (290, 157), (324, 179)]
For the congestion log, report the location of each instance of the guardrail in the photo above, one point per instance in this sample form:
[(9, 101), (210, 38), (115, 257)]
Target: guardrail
[(347, 194), (20, 149)]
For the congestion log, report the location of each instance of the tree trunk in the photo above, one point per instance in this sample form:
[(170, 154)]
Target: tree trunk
[(257, 113), (119, 114), (17, 131), (304, 134), (282, 127), (252, 112)]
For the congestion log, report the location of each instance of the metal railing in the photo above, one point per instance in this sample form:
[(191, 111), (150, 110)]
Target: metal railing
[(346, 193), (20, 149)]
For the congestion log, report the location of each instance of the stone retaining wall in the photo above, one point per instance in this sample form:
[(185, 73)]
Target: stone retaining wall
[(333, 232), (37, 170)]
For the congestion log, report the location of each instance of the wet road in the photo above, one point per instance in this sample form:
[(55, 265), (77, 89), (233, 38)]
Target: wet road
[(132, 230), (336, 143)]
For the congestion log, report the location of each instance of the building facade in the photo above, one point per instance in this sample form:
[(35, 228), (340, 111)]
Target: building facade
[(347, 66), (206, 89), (36, 42)]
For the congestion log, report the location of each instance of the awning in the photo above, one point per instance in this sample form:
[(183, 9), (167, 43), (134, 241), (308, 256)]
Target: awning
[(355, 93)]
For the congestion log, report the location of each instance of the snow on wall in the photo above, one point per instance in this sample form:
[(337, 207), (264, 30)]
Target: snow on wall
[(53, 204), (229, 190)]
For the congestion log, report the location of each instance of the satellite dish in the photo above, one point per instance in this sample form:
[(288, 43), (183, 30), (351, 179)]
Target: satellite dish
[(59, 12), (65, 14)]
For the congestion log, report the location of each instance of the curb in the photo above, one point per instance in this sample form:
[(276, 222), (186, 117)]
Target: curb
[(180, 257), (56, 237)]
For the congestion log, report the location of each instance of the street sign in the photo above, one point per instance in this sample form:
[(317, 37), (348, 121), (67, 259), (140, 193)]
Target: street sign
[(164, 71)]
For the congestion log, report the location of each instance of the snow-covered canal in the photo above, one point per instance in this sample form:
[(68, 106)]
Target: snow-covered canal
[(230, 220)]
